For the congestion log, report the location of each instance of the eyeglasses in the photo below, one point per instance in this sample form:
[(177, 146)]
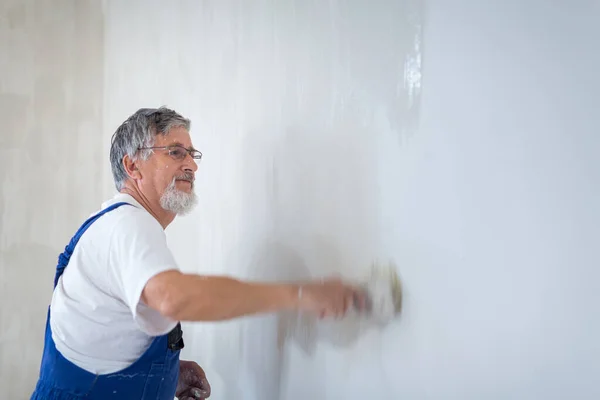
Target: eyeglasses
[(177, 151)]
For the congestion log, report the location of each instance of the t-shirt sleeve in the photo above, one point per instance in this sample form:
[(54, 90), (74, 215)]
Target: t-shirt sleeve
[(138, 252)]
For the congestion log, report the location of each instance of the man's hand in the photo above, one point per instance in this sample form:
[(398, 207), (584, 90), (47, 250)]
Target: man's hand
[(330, 298), (192, 384)]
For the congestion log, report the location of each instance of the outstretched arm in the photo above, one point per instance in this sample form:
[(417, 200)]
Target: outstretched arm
[(190, 297)]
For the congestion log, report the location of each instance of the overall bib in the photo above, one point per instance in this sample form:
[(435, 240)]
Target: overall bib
[(152, 377)]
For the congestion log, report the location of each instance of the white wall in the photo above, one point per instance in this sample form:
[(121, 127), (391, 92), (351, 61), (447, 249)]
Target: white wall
[(500, 205), (481, 186)]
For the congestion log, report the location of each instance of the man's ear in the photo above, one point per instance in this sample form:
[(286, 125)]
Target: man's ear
[(131, 167)]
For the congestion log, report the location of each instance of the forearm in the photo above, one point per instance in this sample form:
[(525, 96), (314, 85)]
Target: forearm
[(189, 297)]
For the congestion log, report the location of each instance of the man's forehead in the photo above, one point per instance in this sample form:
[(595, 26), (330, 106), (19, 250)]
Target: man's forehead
[(176, 136)]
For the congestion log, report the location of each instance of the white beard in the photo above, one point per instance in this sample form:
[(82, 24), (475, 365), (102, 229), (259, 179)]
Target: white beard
[(178, 201)]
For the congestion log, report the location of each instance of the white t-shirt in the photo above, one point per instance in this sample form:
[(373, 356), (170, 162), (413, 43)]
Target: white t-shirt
[(97, 319)]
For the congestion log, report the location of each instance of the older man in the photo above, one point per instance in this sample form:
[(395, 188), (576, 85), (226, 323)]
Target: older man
[(113, 329)]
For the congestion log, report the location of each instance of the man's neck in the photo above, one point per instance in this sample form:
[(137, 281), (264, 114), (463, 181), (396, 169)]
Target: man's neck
[(153, 207)]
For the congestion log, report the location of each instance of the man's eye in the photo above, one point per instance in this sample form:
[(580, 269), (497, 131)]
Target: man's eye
[(177, 153)]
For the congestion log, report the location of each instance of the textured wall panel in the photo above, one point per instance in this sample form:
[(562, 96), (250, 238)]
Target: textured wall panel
[(51, 78)]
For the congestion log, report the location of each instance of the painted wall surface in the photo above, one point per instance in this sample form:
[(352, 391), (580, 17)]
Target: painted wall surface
[(50, 163), (483, 189), (459, 139)]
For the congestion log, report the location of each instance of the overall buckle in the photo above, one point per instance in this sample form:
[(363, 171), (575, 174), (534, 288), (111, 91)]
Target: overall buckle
[(175, 338)]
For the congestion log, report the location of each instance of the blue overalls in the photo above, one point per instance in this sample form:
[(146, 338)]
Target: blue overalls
[(152, 377)]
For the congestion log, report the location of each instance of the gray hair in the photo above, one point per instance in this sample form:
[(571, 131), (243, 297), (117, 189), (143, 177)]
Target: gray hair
[(140, 130)]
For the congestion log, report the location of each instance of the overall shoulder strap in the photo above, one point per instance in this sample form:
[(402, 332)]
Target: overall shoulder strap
[(64, 257)]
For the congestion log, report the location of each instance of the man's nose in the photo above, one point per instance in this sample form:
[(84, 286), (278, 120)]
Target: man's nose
[(190, 164)]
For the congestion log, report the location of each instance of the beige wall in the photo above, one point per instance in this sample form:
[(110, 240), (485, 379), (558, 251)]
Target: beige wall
[(51, 162)]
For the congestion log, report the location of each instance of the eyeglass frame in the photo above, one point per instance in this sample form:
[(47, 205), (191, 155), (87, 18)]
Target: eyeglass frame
[(190, 152)]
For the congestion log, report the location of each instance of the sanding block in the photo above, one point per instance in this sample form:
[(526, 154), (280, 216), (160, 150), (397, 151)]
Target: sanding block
[(383, 290), (384, 293)]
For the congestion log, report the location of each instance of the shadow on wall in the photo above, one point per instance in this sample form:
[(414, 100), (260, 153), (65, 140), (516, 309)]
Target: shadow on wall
[(323, 204), (311, 196), (263, 337)]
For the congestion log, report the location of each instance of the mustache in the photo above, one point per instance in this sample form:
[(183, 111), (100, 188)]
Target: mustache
[(188, 176)]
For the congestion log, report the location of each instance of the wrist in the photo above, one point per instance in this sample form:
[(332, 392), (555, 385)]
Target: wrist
[(292, 295)]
